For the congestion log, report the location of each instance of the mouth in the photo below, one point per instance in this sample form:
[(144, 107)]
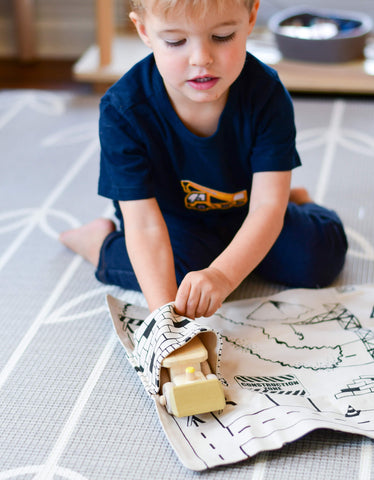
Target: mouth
[(204, 82), (203, 79)]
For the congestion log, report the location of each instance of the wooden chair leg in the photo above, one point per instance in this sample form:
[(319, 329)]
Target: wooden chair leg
[(105, 30), (25, 28)]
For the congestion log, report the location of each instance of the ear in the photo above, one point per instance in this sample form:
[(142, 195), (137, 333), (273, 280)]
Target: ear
[(140, 28), (253, 16)]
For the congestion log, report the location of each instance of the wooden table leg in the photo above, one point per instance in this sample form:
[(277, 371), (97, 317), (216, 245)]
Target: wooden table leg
[(105, 30), (25, 28)]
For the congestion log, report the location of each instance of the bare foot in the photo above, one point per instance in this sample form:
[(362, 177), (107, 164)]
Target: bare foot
[(300, 196), (87, 240)]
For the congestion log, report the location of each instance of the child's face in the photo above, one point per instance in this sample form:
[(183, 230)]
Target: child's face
[(198, 58)]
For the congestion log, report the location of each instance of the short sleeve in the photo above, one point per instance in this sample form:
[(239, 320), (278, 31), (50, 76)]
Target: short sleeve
[(125, 172), (274, 146)]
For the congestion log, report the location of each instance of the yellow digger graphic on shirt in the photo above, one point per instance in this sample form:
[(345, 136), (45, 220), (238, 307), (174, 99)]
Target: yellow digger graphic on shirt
[(199, 197)]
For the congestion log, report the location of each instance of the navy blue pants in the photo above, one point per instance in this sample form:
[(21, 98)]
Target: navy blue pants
[(309, 252)]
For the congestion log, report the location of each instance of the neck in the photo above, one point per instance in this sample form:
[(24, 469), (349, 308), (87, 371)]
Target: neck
[(201, 118)]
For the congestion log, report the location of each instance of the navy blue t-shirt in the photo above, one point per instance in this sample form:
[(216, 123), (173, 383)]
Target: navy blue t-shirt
[(146, 151)]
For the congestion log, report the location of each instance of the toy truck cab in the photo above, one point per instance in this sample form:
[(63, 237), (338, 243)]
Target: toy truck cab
[(193, 388)]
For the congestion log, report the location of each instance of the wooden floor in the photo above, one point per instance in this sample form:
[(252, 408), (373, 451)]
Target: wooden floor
[(41, 74)]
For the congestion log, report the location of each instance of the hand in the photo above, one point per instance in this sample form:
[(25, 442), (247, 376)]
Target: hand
[(202, 292)]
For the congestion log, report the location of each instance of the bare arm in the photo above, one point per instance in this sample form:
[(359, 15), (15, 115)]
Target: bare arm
[(149, 249), (202, 292)]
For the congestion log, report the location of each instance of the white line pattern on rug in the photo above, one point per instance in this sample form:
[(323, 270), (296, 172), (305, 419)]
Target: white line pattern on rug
[(49, 470), (38, 216), (332, 141)]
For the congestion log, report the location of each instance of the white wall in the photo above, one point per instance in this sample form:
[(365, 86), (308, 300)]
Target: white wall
[(65, 28)]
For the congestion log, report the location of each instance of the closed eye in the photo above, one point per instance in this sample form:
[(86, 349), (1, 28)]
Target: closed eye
[(177, 43), (224, 38)]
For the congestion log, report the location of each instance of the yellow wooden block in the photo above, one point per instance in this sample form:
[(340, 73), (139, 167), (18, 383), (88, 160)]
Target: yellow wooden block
[(190, 354), (196, 398)]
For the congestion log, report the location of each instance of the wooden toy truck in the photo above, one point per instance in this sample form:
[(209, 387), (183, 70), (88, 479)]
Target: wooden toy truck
[(193, 388)]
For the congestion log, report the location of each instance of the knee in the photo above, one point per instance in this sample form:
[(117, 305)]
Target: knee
[(307, 258), (319, 264), (327, 253)]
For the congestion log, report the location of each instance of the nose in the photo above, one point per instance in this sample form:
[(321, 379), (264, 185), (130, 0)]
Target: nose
[(201, 55)]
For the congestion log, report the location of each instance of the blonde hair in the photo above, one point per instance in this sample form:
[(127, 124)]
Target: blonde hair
[(190, 7)]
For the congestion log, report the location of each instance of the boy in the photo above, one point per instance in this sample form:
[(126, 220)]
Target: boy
[(198, 144)]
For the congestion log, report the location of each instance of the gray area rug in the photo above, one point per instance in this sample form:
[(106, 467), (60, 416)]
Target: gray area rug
[(71, 407)]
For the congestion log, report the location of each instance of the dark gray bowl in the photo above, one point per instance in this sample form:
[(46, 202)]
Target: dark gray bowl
[(318, 35)]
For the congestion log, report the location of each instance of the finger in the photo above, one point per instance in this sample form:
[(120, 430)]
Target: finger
[(202, 306), (214, 305), (192, 303), (181, 298)]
